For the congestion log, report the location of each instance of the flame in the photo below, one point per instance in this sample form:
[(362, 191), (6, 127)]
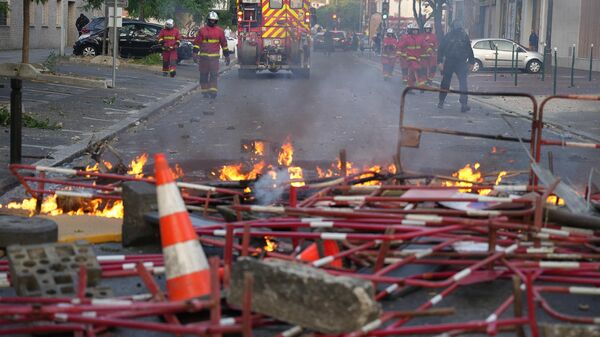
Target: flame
[(137, 165), (108, 164), (286, 155), (554, 200), (259, 148), (469, 175), (177, 172), (235, 172), (296, 175), (494, 150), (94, 168), (247, 190), (94, 207), (270, 245)]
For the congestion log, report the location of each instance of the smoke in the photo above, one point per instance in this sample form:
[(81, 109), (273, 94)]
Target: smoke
[(271, 186)]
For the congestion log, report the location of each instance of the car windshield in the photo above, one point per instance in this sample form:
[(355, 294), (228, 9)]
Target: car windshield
[(338, 35)]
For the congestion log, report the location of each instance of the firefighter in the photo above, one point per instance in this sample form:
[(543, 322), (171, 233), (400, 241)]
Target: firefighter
[(413, 47), (432, 47), (401, 52), (207, 45), (169, 39), (388, 57)]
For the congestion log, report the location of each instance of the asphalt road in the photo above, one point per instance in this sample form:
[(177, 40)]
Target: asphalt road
[(346, 105)]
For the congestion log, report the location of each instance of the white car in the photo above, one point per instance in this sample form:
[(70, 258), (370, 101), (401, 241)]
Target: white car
[(231, 45), (485, 55)]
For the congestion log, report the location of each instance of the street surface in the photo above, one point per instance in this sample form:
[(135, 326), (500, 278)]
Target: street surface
[(346, 105)]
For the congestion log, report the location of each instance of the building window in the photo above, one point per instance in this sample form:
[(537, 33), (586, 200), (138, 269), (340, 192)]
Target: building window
[(32, 8), (59, 13), (4, 13), (45, 14)]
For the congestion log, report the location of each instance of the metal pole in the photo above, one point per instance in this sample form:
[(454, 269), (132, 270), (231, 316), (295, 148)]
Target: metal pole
[(115, 46), (544, 63), (512, 61), (591, 60), (573, 67), (496, 64), (555, 69), (516, 67), (16, 114)]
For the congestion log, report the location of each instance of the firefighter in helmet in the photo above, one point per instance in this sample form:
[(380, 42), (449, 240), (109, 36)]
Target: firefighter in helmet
[(169, 39), (431, 43), (207, 46), (401, 53), (413, 47), (388, 57)]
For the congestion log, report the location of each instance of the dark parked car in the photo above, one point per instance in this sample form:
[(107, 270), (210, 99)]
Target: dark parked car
[(319, 41), (341, 40), (94, 26), (136, 39)]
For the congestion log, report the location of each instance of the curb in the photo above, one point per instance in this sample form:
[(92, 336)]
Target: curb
[(72, 151)]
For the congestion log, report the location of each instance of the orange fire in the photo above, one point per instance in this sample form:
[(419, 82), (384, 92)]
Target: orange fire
[(296, 175), (95, 207), (554, 200), (270, 245), (236, 172), (470, 175), (286, 155), (137, 166)]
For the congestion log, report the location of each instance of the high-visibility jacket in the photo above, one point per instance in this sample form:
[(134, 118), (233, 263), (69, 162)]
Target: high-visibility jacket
[(169, 37), (400, 47), (431, 43), (209, 40), (413, 47)]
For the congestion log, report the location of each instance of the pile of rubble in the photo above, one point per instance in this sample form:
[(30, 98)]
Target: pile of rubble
[(325, 260)]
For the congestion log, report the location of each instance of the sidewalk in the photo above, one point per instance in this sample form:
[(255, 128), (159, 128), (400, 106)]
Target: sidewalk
[(35, 55), (84, 114)]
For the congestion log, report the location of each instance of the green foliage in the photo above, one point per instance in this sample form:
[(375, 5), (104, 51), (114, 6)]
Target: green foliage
[(29, 121), (348, 14), (4, 6), (51, 61), (152, 59)]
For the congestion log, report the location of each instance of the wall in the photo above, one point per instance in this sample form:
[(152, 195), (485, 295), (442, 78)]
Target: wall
[(44, 33), (565, 26)]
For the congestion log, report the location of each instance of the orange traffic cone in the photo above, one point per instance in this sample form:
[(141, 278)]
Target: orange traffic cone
[(187, 270), (311, 253)]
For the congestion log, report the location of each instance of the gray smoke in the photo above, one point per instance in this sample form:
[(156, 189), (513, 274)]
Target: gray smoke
[(268, 189)]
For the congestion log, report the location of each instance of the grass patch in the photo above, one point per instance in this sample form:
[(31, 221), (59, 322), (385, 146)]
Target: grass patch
[(29, 121), (150, 60)]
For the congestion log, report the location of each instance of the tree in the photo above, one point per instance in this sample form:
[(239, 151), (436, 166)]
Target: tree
[(347, 12), (26, 24), (422, 18)]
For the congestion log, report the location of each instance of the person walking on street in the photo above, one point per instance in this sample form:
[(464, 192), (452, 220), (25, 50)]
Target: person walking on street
[(413, 46), (533, 41), (388, 57), (328, 41), (169, 39), (432, 47), (207, 45), (402, 56), (456, 57), (81, 22)]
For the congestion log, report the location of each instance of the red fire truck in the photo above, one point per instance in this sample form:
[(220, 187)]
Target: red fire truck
[(273, 35)]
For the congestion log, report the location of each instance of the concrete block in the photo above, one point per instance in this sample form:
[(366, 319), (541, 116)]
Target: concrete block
[(51, 270), (305, 296), (569, 330), (138, 199), (26, 230)]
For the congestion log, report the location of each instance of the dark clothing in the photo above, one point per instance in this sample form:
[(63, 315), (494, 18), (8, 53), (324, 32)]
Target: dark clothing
[(455, 52), (533, 41), (328, 41), (81, 22), (461, 70)]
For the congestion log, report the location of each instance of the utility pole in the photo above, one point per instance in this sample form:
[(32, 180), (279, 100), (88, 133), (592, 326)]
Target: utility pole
[(26, 24), (548, 44)]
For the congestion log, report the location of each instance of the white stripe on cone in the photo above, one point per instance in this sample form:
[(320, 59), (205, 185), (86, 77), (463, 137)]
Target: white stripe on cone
[(169, 200), (184, 258)]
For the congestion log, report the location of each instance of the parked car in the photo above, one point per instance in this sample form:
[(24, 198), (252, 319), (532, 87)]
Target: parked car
[(136, 39), (485, 55), (95, 25), (341, 40), (319, 41)]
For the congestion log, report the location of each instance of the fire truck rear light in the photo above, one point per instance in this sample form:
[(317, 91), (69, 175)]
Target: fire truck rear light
[(240, 13)]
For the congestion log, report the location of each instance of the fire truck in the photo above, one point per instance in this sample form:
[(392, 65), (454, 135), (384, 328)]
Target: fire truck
[(273, 35)]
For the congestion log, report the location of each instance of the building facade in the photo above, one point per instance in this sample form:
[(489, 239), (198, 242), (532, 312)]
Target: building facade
[(559, 24), (51, 24)]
